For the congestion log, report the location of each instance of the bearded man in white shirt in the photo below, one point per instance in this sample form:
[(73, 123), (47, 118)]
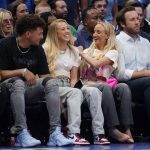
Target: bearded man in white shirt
[(134, 61)]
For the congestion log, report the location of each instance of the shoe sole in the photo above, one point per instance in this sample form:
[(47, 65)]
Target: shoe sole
[(76, 143), (104, 143), (34, 145)]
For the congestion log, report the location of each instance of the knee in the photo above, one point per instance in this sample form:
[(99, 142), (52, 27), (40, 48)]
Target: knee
[(122, 87), (92, 91), (106, 88), (18, 85), (51, 85), (77, 92)]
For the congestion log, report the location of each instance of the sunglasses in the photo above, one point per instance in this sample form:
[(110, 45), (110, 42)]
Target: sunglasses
[(7, 21)]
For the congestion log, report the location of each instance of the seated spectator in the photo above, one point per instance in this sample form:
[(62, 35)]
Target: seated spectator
[(18, 9), (101, 6), (21, 61), (141, 13), (59, 8), (134, 64), (99, 61), (63, 61), (90, 17), (6, 23)]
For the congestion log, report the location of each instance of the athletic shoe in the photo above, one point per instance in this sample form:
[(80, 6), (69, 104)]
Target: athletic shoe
[(100, 139), (77, 139), (24, 139), (58, 139)]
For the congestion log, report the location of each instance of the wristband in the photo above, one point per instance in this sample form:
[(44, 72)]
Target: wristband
[(24, 71)]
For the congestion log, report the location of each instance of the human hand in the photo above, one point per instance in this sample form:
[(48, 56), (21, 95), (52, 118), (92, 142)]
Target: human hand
[(30, 77)]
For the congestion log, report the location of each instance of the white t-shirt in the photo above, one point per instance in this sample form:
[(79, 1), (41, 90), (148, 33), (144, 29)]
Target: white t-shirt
[(66, 61), (107, 70)]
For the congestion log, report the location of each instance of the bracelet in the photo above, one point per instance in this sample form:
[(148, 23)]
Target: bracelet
[(24, 71)]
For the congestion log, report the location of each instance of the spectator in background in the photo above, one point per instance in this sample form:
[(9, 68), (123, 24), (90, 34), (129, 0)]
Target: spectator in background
[(48, 18), (101, 6), (18, 9), (6, 23), (90, 17), (59, 8)]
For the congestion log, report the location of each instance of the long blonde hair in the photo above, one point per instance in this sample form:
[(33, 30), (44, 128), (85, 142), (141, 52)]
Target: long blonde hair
[(51, 44), (110, 44), (2, 13)]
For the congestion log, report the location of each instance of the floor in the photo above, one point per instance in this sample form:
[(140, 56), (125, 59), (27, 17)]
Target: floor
[(136, 146)]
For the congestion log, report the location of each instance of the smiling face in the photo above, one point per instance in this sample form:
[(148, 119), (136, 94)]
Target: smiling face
[(7, 23), (100, 37), (63, 32)]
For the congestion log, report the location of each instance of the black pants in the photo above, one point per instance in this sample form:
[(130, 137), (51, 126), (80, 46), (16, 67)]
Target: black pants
[(140, 89)]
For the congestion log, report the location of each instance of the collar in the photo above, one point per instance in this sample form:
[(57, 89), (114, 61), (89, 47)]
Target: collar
[(126, 37)]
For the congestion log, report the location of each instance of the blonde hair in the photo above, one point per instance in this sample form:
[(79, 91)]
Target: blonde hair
[(110, 44), (51, 45), (2, 14)]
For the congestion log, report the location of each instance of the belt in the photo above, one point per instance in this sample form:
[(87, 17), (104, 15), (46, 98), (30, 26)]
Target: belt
[(63, 77)]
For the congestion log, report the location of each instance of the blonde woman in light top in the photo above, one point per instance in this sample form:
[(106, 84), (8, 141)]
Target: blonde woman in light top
[(63, 60), (98, 63)]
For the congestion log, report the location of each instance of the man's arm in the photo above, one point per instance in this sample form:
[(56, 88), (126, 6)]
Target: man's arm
[(25, 73), (139, 74), (5, 74)]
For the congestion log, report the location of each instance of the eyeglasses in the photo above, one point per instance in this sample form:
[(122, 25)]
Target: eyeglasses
[(7, 21)]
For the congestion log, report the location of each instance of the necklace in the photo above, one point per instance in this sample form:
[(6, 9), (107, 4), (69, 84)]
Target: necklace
[(63, 51), (21, 50)]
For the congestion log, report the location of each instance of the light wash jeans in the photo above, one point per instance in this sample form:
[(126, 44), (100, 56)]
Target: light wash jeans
[(21, 94), (74, 99)]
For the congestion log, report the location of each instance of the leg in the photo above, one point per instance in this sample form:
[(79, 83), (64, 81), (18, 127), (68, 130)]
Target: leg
[(17, 99), (110, 113), (122, 96), (141, 88), (108, 106), (94, 97), (52, 97), (74, 99)]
